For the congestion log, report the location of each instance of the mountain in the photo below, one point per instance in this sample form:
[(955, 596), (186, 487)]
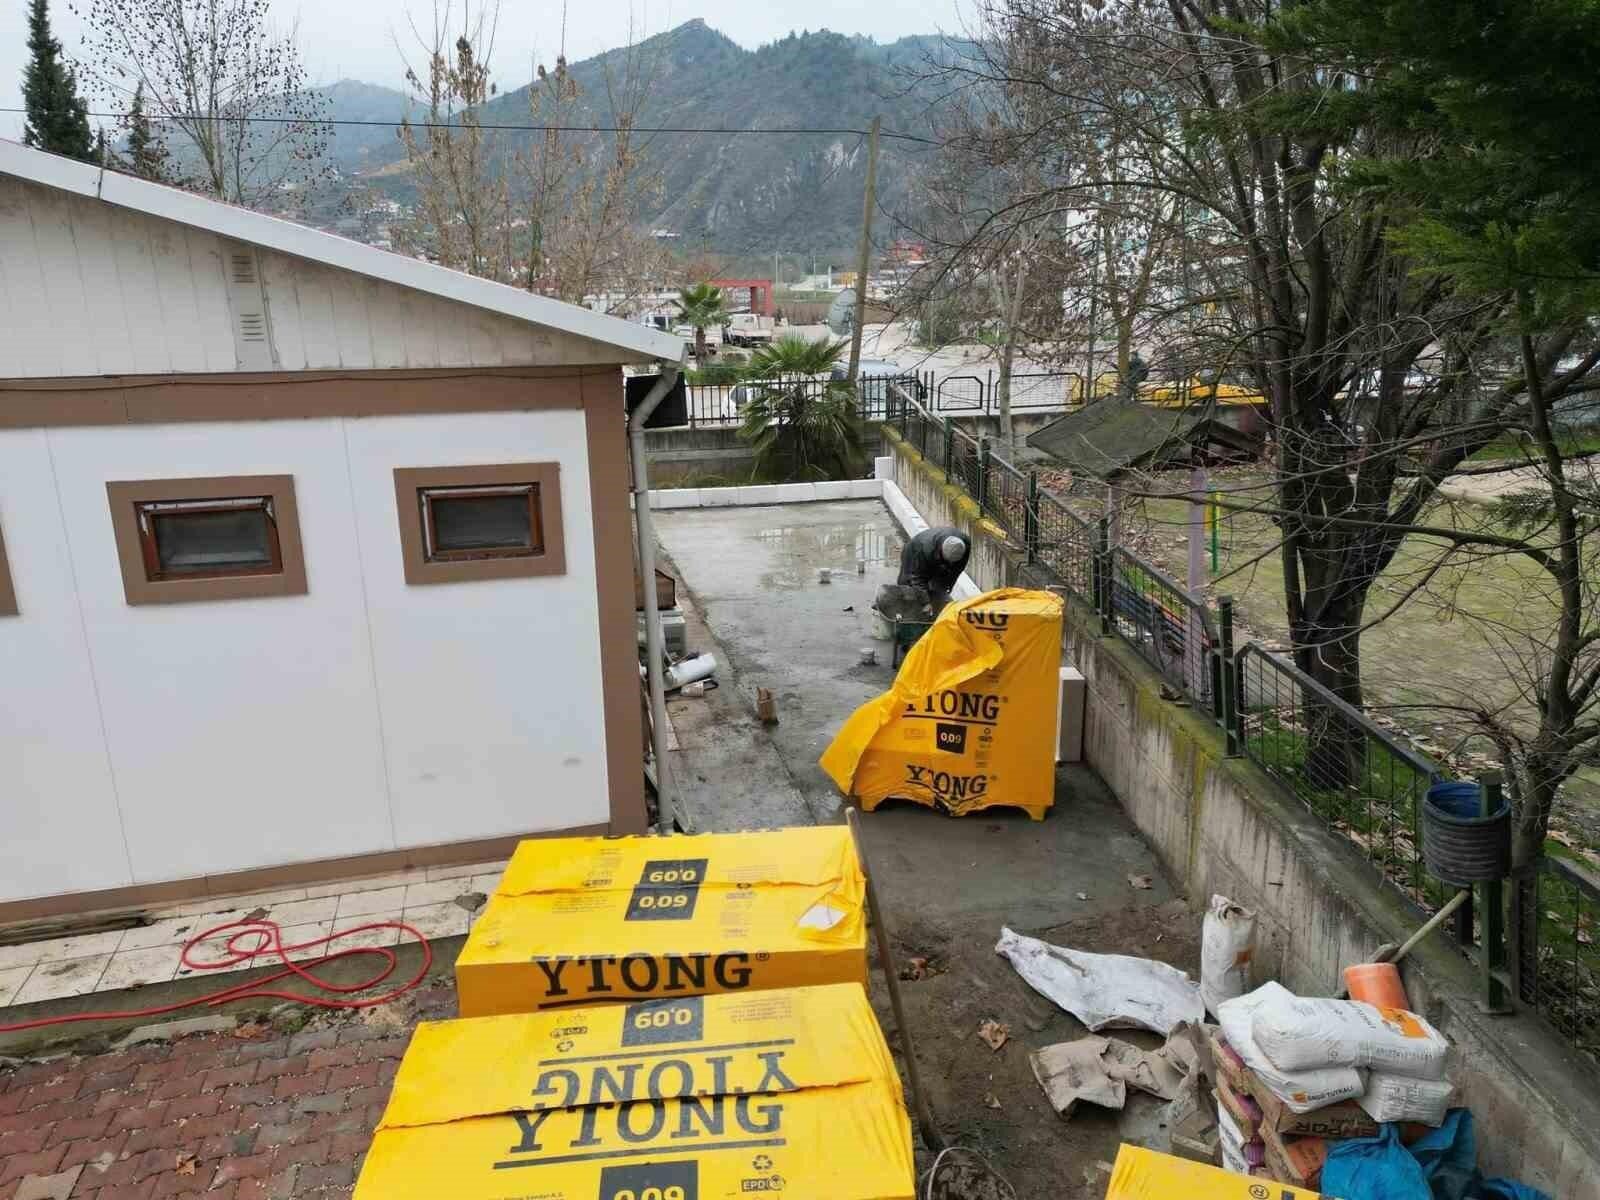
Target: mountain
[(749, 189)]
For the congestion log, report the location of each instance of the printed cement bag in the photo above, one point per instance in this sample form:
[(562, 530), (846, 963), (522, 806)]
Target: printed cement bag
[(1141, 1174), (1400, 1098), (1305, 1031), (1301, 1091), (789, 1093), (970, 721), (590, 920), (1227, 943)]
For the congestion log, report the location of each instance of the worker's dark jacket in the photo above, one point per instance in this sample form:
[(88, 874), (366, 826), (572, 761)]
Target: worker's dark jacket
[(921, 564)]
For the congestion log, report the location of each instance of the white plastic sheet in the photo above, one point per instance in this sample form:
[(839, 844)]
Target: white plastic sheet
[(1105, 991)]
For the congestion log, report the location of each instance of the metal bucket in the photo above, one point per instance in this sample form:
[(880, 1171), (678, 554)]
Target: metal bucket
[(1460, 847)]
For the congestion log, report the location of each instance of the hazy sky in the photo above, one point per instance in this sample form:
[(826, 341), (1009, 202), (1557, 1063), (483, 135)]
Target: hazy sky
[(356, 38)]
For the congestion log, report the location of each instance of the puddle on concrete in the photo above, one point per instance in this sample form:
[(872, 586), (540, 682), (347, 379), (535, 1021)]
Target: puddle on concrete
[(797, 551)]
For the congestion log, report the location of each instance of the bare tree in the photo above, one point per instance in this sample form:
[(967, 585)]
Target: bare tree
[(587, 193), (558, 212), (231, 92), (1304, 286), (462, 171)]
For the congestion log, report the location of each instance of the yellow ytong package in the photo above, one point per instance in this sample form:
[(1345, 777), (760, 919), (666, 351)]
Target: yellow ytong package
[(791, 1093), (1141, 1174), (578, 921), (971, 720)]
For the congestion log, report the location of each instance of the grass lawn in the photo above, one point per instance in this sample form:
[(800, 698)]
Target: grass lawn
[(1452, 643)]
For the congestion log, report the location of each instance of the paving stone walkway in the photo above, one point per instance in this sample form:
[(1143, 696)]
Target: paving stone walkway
[(252, 1113)]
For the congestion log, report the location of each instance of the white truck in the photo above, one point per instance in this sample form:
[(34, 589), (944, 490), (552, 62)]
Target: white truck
[(747, 329)]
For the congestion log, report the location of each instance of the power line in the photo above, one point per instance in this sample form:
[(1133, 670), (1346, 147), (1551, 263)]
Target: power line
[(903, 137)]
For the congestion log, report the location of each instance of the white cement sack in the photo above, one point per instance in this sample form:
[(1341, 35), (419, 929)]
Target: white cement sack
[(1400, 1098), (1305, 1031), (1227, 943), (1301, 1091), (1105, 991)]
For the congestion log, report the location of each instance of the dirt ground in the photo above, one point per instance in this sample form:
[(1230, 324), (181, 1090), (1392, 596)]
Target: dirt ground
[(988, 1100)]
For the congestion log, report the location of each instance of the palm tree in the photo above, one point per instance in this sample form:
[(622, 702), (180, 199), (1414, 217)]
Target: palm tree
[(702, 306), (802, 424)]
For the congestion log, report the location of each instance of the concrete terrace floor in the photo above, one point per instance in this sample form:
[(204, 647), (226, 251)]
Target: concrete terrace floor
[(749, 578)]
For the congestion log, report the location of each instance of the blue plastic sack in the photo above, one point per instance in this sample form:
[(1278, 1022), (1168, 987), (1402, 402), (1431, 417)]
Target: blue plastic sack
[(1442, 1165)]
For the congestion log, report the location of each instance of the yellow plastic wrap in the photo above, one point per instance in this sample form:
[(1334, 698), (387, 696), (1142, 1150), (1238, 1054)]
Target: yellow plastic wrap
[(589, 920), (787, 1093), (971, 720), (1141, 1174)]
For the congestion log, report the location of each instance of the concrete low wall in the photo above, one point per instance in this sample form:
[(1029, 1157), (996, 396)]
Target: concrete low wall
[(1222, 826), (676, 454)]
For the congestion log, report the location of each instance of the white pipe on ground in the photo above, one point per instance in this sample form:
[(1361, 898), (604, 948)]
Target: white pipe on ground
[(665, 806), (701, 666)]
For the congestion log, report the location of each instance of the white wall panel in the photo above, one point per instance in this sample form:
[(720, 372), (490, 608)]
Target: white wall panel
[(60, 829), (491, 690), (243, 733)]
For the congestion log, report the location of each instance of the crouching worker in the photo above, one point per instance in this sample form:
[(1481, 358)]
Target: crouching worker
[(932, 562)]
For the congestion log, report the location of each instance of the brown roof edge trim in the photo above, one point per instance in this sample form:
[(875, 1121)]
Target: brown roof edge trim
[(606, 426), (84, 383), (291, 395)]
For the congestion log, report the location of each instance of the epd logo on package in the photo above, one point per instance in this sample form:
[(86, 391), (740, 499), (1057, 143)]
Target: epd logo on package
[(970, 722), (579, 921), (701, 1098)]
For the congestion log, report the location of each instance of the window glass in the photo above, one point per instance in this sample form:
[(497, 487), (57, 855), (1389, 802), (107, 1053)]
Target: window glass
[(195, 539), (467, 522), (221, 539)]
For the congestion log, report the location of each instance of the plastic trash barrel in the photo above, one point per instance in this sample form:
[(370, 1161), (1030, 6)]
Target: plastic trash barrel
[(1376, 983), (1459, 847)]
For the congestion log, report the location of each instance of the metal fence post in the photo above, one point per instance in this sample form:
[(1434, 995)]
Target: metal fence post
[(1493, 960), (1102, 575), (1227, 701), (1030, 520), (1524, 921), (981, 484), (949, 443)]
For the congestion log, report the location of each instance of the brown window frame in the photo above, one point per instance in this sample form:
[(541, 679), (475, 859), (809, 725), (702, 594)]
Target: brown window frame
[(8, 593), (422, 566), (142, 579)]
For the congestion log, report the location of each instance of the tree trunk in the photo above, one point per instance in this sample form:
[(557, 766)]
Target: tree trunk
[(1330, 652), (700, 346)]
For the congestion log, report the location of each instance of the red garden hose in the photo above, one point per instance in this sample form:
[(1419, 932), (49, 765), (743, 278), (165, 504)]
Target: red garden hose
[(269, 943)]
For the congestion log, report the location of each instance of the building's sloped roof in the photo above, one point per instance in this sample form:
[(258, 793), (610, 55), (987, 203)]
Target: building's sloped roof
[(638, 342)]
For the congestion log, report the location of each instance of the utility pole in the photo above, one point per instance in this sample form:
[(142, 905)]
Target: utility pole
[(864, 259)]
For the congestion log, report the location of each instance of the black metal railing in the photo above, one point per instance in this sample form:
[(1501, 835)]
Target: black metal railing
[(1555, 920), (1168, 627), (1363, 782), (722, 405), (961, 460), (1065, 546), (1005, 494)]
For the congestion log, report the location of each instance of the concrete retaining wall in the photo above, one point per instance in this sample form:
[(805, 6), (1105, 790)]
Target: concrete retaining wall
[(1221, 825), (676, 454)]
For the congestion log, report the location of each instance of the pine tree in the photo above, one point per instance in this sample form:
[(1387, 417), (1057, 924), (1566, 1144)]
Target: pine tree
[(147, 156), (58, 119)]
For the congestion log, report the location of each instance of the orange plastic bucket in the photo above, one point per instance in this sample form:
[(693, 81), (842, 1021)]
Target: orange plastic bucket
[(1376, 983)]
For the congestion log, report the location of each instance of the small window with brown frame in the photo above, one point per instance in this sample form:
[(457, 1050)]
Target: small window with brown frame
[(495, 521), (207, 539)]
